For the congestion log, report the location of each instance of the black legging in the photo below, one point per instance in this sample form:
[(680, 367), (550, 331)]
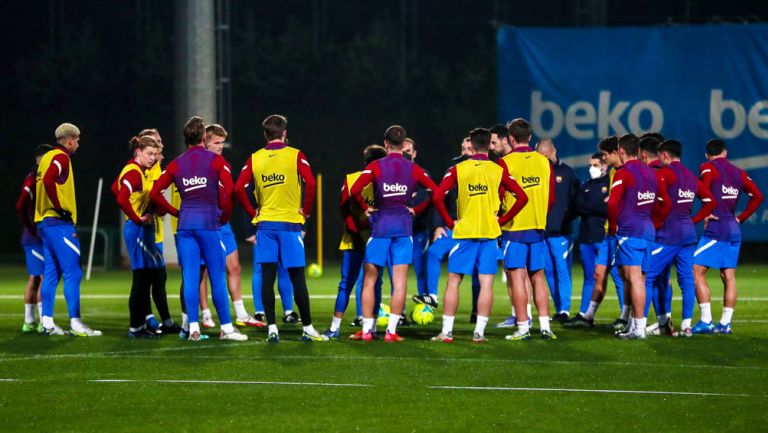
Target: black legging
[(300, 292), (138, 302)]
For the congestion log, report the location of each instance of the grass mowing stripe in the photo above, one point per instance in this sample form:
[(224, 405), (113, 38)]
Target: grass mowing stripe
[(601, 391), (231, 382), (352, 296)]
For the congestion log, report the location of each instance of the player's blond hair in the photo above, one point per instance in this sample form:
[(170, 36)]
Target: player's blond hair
[(66, 130)]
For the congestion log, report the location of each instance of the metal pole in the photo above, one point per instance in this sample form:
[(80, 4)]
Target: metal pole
[(93, 230)]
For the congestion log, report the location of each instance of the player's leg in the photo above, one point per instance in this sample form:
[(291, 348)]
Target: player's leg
[(475, 294), (376, 256), (560, 253), (292, 256), (420, 245), (51, 276), (68, 255), (550, 271), (633, 256), (215, 259), (205, 309), (535, 265), (189, 256), (143, 259), (730, 260), (35, 261), (256, 281), (435, 254), (285, 288), (588, 254), (401, 255), (461, 261), (684, 266), (486, 266), (592, 287), (350, 270)]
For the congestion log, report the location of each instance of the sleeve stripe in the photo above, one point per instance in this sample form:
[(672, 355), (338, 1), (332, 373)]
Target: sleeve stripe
[(706, 170), (706, 200), (447, 174), (128, 185), (366, 171), (29, 192), (228, 170), (58, 165), (304, 161), (617, 183)]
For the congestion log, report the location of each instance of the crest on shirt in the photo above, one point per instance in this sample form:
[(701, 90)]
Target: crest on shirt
[(604, 189), (559, 179)]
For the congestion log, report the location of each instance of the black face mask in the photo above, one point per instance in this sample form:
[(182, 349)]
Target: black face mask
[(408, 156)]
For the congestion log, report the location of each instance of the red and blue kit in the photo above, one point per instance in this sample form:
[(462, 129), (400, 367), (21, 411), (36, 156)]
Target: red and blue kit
[(630, 206), (32, 244)]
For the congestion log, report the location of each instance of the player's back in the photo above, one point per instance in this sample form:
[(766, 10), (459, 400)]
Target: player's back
[(678, 228), (533, 171), (198, 184), (65, 189), (634, 219), (726, 186), (277, 185), (393, 187), (478, 199)]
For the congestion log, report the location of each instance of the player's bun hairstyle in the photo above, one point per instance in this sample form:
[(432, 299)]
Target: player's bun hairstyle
[(672, 147), (142, 143), (520, 130), (274, 126), (630, 143), (193, 131), (480, 138), (599, 156), (395, 135), (608, 144), (500, 130), (66, 130), (649, 145), (373, 152), (655, 135), (148, 131), (215, 129), (715, 147)]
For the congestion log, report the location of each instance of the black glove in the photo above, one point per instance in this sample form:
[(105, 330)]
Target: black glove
[(64, 215)]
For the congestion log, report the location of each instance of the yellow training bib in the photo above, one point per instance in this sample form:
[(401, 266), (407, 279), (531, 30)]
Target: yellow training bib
[(357, 213), (277, 186), (532, 171), (478, 201), (65, 192)]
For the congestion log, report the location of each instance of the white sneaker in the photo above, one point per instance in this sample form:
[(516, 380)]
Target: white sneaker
[(233, 336), (208, 322), (653, 329), (56, 330), (85, 331), (632, 334)]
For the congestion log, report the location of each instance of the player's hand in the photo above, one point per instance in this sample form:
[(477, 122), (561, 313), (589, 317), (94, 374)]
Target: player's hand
[(439, 233), (301, 212), (251, 239), (146, 220), (370, 211), (411, 211), (709, 218), (303, 234), (64, 215)]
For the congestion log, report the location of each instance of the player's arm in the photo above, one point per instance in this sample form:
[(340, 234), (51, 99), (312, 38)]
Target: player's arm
[(708, 202), (708, 173), (552, 197), (423, 179), (163, 182), (663, 204), (621, 181), (509, 184), (225, 187), (129, 182), (449, 180), (310, 185), (58, 172), (365, 179), (346, 213), (755, 197), (25, 197), (241, 192)]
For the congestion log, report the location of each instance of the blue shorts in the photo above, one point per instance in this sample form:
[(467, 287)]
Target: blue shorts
[(35, 259), (470, 253), (394, 251), (606, 252), (633, 252), (228, 239), (279, 246), (716, 254), (525, 255), (140, 243)]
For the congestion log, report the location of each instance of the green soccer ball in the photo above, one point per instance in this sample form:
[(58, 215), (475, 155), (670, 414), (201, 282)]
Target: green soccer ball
[(383, 319), (314, 270), (423, 314)]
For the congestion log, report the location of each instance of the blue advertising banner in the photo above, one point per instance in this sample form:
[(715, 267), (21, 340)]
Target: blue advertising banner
[(691, 83)]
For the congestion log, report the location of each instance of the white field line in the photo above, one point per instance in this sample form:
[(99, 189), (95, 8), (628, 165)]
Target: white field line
[(161, 353), (9, 380), (600, 391), (176, 296), (231, 382)]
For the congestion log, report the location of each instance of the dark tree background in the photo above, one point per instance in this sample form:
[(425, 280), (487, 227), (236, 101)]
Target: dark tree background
[(341, 70)]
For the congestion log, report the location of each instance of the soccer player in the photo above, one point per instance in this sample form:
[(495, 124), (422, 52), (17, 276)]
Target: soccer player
[(480, 183), (159, 295), (523, 241), (356, 233), (631, 202), (421, 232), (215, 135), (205, 187), (605, 261), (131, 189), (32, 244), (394, 179), (720, 244), (56, 216), (676, 237), (557, 266), (277, 172)]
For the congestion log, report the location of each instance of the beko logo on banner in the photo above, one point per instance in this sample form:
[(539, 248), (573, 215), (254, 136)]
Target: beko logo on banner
[(583, 120)]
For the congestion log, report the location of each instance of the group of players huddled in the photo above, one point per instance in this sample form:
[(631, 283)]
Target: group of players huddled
[(502, 200)]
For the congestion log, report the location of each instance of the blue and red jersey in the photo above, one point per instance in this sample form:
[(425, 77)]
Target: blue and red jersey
[(395, 179), (205, 186), (25, 209), (632, 199), (678, 228), (727, 182)]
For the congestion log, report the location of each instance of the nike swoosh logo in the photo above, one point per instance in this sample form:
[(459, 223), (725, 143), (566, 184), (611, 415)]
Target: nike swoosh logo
[(270, 156), (527, 157), (586, 190)]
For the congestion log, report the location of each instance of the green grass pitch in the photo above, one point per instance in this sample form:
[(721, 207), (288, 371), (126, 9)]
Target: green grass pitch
[(585, 380)]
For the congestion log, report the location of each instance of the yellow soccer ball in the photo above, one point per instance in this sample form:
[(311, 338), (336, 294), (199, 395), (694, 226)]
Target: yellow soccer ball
[(314, 270), (383, 319), (423, 314)]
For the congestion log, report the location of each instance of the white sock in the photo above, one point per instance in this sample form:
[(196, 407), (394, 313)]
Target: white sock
[(287, 312), (662, 320), (29, 313), (448, 324), (149, 316), (76, 324), (194, 327), (685, 324), (544, 323), (255, 313), (40, 310), (135, 329), (727, 315), (47, 322), (480, 325), (514, 314), (240, 309), (523, 327), (367, 324), (434, 298), (227, 328), (706, 312), (309, 329), (528, 309), (207, 313), (335, 324), (272, 329), (624, 313), (591, 311), (184, 321), (640, 324), (567, 313), (392, 324)]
